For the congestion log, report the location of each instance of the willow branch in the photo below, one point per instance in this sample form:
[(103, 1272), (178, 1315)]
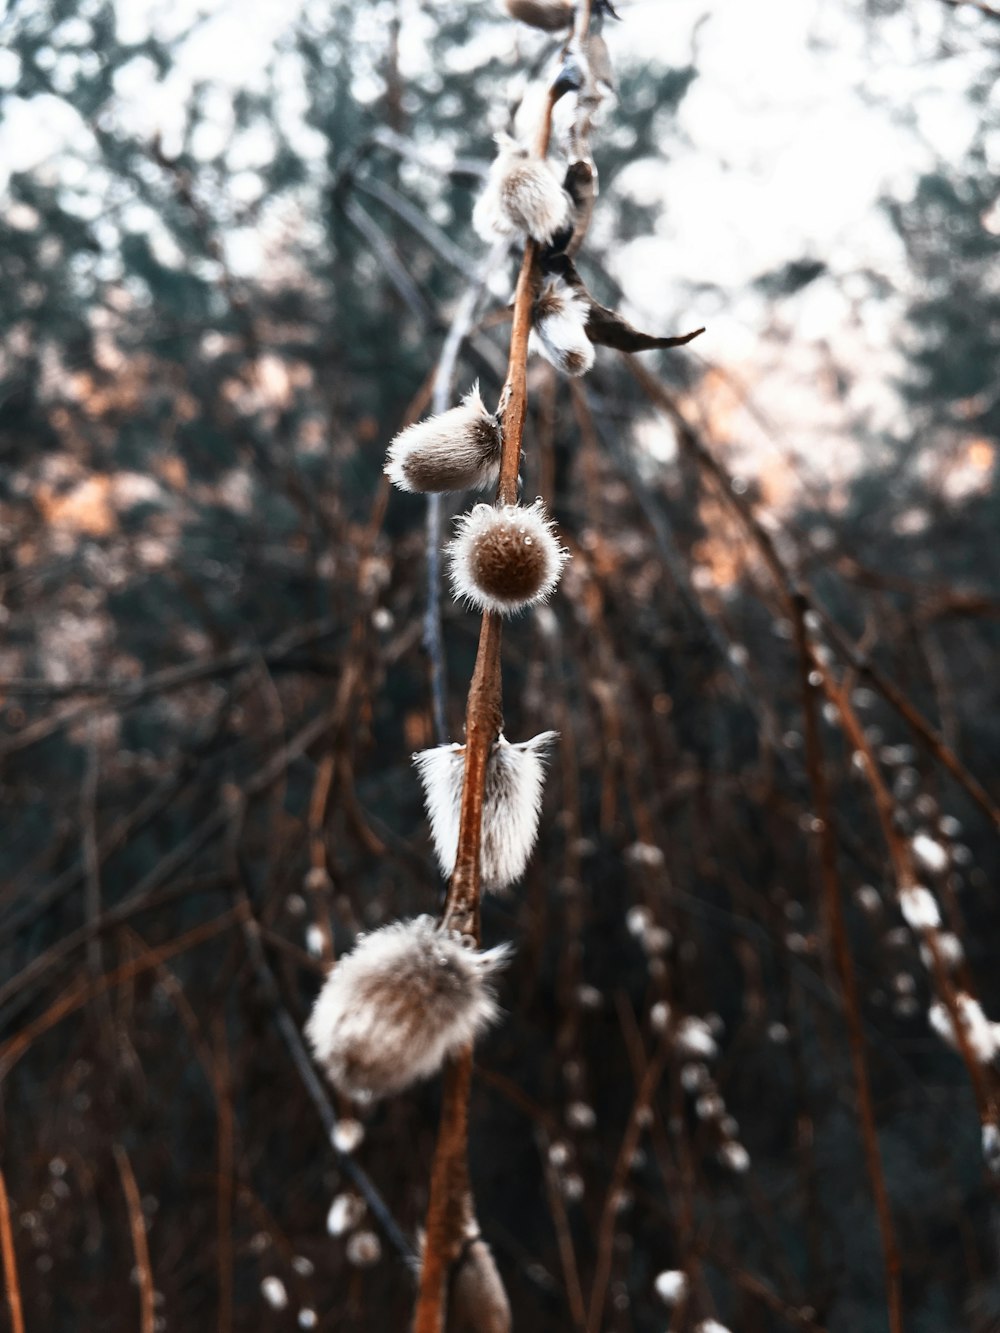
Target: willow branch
[(483, 720), (845, 969), (444, 378), (987, 10), (10, 1278), (140, 1242), (906, 877), (740, 506)]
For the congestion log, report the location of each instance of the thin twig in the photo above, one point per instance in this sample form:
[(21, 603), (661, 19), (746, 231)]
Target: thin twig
[(741, 507), (15, 1047), (11, 1283), (224, 1190), (610, 1211), (444, 378), (845, 969), (140, 1242), (564, 1239), (89, 852), (978, 5)]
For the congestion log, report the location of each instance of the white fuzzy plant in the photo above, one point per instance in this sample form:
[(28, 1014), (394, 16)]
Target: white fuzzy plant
[(412, 997)]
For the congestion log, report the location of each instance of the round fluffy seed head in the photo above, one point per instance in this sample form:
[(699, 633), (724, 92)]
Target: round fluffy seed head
[(392, 1011), (506, 558), (522, 194), (559, 320), (453, 451)]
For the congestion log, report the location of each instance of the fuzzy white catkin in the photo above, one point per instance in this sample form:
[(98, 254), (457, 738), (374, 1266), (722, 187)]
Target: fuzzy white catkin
[(273, 1291), (512, 801), (980, 1033), (671, 1286), (694, 1038), (393, 1010), (505, 558), (931, 855), (477, 1302), (710, 1326), (522, 194), (919, 908), (364, 1249), (347, 1135), (456, 450), (345, 1213), (949, 948), (735, 1156), (559, 327)]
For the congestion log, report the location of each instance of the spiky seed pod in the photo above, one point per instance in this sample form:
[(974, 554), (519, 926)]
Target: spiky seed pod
[(512, 801), (505, 558), (559, 320), (522, 194), (392, 1011), (453, 451)]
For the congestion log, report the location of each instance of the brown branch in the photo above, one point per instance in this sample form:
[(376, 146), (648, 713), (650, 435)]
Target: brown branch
[(140, 1242), (11, 1283), (483, 720), (449, 1210), (222, 1082), (894, 696), (845, 969), (906, 876), (564, 1240), (978, 5), (12, 1050), (609, 1213), (318, 878), (742, 508)]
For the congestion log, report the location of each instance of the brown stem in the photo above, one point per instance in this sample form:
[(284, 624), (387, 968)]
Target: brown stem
[(906, 876), (140, 1244), (609, 1213), (10, 1262), (449, 1211), (742, 508), (564, 1240), (845, 969), (449, 1205)]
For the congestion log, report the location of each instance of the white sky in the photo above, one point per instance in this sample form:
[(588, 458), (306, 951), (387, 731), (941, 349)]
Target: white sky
[(801, 117)]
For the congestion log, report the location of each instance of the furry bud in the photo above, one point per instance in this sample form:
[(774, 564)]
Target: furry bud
[(392, 1011), (477, 1302), (504, 559), (523, 194), (452, 451), (549, 15), (552, 15), (983, 1037), (512, 801), (559, 319)]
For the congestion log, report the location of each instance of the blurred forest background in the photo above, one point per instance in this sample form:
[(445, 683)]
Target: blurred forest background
[(222, 294)]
